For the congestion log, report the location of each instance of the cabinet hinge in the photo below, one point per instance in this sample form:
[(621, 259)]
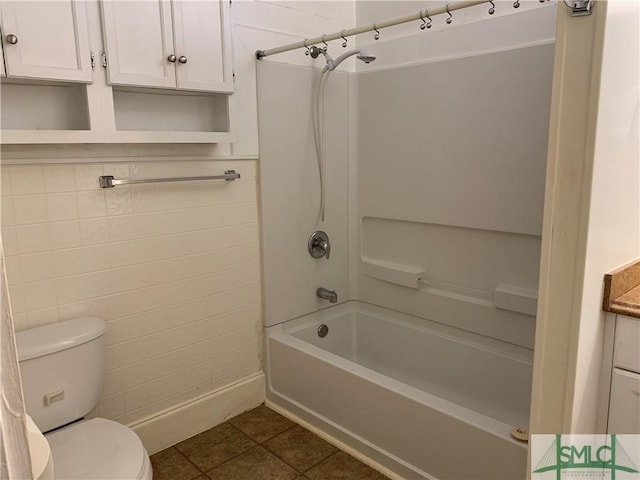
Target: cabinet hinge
[(93, 61), (580, 8), (103, 56)]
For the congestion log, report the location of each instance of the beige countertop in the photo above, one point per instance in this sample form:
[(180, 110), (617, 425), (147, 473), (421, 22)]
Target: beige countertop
[(622, 290)]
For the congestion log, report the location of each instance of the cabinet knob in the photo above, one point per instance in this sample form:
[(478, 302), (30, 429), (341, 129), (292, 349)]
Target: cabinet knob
[(172, 58), (12, 39), (182, 59)]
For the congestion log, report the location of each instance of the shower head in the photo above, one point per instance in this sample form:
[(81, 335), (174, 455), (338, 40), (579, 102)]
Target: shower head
[(364, 54)]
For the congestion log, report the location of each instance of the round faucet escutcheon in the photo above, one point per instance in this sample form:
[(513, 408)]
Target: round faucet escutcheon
[(319, 245)]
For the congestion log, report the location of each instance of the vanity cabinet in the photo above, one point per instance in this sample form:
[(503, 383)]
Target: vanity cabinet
[(624, 403), (184, 45), (45, 40)]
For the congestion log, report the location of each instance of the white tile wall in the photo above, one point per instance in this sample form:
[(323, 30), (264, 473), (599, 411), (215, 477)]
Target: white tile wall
[(172, 268)]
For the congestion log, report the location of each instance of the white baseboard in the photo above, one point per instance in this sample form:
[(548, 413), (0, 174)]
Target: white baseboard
[(190, 418)]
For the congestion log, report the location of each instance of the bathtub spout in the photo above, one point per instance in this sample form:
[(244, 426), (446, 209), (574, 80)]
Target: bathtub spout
[(330, 295)]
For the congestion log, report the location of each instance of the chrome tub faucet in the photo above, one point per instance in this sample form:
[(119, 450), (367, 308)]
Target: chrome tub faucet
[(330, 295)]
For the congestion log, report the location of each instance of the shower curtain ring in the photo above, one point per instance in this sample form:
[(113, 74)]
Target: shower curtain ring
[(450, 19), (308, 52), (326, 47), (492, 10), (427, 15), (516, 4), (424, 22), (377, 35), (344, 44)]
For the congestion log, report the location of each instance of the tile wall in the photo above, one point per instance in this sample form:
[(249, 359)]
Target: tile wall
[(172, 268)]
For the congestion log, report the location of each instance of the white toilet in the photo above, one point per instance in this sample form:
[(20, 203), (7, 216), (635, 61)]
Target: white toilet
[(61, 367)]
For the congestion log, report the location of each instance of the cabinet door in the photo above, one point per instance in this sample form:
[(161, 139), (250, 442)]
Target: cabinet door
[(202, 34), (51, 40), (138, 39), (624, 406)]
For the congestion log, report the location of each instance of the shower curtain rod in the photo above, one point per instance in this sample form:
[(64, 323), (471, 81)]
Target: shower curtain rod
[(421, 15)]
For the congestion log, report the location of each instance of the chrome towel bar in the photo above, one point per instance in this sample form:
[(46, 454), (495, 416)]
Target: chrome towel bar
[(108, 181)]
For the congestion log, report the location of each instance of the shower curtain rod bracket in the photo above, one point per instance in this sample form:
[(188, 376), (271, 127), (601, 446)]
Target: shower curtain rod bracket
[(580, 8)]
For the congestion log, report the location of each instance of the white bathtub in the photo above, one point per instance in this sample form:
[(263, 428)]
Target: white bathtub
[(422, 399)]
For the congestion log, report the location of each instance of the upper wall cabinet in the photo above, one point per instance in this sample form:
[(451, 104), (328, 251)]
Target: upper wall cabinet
[(169, 44), (46, 40)]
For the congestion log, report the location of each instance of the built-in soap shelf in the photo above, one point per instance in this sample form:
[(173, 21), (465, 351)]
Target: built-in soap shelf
[(505, 297), (405, 275), (516, 299)]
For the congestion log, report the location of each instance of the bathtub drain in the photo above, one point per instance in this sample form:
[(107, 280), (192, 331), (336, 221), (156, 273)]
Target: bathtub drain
[(323, 330)]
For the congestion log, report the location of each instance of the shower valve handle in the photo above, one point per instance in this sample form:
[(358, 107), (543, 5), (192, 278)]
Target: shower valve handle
[(319, 245), (326, 246)]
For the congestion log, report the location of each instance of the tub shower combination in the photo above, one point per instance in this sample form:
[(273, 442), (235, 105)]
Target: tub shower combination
[(420, 398)]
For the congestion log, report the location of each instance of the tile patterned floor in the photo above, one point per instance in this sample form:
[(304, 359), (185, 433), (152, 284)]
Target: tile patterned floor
[(258, 445)]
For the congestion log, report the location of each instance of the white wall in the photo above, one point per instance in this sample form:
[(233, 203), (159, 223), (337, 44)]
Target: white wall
[(261, 25), (591, 213), (613, 236), (174, 269), (452, 137)]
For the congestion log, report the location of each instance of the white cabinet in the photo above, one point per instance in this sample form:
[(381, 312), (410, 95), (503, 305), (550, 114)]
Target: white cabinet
[(624, 408), (168, 44), (138, 40), (624, 402), (46, 40), (627, 344), (53, 94), (202, 34)]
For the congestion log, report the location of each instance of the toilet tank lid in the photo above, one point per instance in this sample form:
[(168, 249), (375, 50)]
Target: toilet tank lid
[(58, 336)]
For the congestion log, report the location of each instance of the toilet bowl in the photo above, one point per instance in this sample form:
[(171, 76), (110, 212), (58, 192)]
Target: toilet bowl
[(88, 449), (61, 367)]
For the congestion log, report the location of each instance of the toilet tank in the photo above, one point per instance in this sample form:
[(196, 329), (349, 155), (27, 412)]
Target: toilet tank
[(61, 366)]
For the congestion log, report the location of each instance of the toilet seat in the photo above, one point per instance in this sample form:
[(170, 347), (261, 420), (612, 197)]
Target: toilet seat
[(87, 449)]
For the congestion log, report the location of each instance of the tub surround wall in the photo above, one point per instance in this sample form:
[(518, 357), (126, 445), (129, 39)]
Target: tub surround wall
[(384, 183), (289, 185), (290, 190), (454, 193)]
